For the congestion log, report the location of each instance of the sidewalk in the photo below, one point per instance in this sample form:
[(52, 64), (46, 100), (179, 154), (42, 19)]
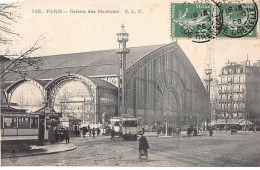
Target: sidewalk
[(42, 150), (150, 134)]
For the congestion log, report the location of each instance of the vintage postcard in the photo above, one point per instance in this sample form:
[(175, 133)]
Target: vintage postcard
[(130, 83)]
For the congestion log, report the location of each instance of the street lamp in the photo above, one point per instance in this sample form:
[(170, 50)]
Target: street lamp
[(122, 38), (83, 110), (198, 123), (208, 79)]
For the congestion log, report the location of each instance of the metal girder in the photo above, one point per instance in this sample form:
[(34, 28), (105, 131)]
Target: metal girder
[(54, 86), (11, 88)]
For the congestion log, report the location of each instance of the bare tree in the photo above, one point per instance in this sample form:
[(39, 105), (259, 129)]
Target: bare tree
[(10, 62), (19, 63), (8, 16)]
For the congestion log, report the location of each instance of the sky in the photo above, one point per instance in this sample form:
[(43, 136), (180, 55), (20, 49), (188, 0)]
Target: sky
[(77, 32)]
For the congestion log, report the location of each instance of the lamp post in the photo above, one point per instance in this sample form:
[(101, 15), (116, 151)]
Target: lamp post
[(122, 38), (208, 79), (83, 110), (167, 123), (198, 123)]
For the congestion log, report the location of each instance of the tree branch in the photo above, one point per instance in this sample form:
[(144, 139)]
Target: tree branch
[(24, 61)]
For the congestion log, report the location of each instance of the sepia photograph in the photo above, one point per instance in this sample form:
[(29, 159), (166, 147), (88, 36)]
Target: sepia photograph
[(130, 83)]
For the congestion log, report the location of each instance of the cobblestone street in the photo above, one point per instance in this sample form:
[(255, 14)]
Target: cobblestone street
[(220, 150)]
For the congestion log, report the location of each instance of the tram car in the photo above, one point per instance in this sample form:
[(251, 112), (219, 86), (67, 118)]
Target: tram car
[(126, 126), (19, 127), (116, 124)]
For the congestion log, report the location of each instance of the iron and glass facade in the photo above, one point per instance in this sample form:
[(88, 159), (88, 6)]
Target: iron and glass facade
[(160, 83), (164, 84)]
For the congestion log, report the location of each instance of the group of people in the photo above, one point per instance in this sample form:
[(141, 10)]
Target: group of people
[(60, 135), (161, 130), (91, 131), (191, 130)]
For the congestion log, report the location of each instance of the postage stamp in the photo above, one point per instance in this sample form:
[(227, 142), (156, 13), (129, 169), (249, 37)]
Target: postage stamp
[(240, 20), (203, 21)]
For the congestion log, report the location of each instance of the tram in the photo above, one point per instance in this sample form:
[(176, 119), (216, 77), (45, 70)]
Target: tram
[(116, 124), (20, 127), (126, 126)]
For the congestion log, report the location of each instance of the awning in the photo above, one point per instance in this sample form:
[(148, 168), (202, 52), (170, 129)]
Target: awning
[(231, 121), (52, 122)]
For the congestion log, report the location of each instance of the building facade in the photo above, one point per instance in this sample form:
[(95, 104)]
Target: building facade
[(160, 82), (164, 84), (239, 91)]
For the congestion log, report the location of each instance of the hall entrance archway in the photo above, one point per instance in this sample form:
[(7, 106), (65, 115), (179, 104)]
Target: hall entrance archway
[(170, 108)]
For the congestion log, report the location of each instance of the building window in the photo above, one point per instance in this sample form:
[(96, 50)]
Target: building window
[(23, 122), (10, 122), (34, 122), (235, 79)]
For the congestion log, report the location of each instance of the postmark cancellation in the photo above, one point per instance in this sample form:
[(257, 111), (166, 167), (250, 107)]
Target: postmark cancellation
[(205, 20)]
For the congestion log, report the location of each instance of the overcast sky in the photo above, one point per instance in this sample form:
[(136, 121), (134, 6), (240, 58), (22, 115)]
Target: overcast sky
[(74, 32)]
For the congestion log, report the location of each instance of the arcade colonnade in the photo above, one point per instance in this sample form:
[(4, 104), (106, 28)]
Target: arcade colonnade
[(71, 94)]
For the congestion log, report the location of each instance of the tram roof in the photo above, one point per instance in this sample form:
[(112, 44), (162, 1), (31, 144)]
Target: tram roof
[(94, 63), (8, 109)]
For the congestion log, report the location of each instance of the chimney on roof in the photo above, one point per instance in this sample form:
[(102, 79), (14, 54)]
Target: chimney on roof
[(257, 64), (246, 63), (227, 64)]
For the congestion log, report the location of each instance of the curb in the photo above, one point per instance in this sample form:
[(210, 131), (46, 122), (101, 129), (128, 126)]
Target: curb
[(44, 153)]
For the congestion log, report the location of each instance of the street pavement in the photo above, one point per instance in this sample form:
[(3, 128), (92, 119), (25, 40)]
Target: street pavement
[(220, 150), (41, 150)]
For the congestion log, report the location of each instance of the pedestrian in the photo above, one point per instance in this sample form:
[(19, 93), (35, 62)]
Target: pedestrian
[(90, 132), (178, 131), (84, 131), (66, 135), (56, 135), (188, 131), (98, 131), (195, 132), (143, 146), (93, 132), (112, 134), (170, 130), (164, 130), (107, 131), (159, 131), (210, 131), (61, 135)]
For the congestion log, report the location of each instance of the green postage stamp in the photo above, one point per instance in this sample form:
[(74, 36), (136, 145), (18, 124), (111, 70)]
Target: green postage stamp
[(206, 20)]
